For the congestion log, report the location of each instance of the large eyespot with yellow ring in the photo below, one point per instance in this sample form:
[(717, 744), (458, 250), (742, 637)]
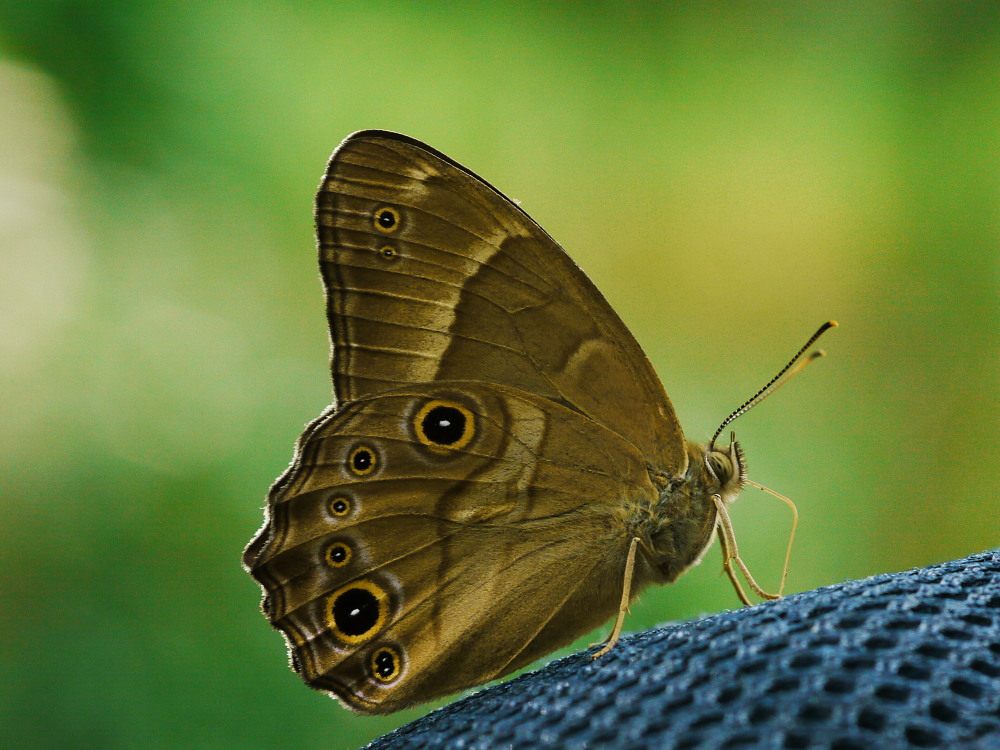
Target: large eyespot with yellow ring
[(362, 461), (357, 611), (386, 219), (385, 664), (444, 426), (338, 555), (340, 505)]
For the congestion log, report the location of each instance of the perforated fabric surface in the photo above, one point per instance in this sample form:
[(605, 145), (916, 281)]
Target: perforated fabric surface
[(908, 660)]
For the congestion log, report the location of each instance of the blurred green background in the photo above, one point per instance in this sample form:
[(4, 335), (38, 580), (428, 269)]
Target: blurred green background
[(730, 175)]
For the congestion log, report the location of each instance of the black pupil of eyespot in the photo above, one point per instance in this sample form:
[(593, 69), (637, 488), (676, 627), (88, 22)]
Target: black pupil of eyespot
[(385, 663), (356, 611), (386, 219), (362, 460), (338, 553), (340, 506), (444, 425)]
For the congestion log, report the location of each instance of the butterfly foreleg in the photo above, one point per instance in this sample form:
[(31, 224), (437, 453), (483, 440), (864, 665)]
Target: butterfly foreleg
[(731, 555)]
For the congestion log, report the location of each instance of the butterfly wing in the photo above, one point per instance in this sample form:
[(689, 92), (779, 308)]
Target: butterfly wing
[(445, 557), (432, 274)]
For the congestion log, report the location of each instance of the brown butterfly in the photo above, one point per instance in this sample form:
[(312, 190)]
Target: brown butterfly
[(501, 470)]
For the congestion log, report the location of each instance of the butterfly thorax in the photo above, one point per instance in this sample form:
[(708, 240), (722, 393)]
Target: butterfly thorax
[(683, 521)]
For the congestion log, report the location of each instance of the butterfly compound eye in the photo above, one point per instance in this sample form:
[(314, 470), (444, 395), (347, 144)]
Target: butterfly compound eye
[(444, 425)]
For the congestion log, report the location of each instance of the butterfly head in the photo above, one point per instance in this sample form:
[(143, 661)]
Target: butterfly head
[(687, 514), (725, 470)]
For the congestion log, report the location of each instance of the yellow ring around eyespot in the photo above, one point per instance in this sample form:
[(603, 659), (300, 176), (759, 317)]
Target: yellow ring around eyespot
[(340, 499), (379, 212), (396, 662), (467, 433), (329, 555), (383, 611), (355, 452)]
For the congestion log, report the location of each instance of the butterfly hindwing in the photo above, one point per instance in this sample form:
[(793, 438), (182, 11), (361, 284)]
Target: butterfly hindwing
[(428, 568)]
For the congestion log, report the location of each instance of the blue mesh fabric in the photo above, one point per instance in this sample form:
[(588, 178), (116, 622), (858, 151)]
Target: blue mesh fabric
[(908, 660)]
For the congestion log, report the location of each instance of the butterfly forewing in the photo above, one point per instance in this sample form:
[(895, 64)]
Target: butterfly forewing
[(431, 274)]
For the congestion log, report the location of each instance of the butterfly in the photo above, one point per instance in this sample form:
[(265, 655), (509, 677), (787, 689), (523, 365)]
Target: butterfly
[(501, 470)]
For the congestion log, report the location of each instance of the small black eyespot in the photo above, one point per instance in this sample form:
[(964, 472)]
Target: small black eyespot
[(385, 664), (389, 253), (386, 219), (362, 461), (340, 506), (338, 554)]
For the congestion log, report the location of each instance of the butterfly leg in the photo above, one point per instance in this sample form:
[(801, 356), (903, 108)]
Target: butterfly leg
[(616, 631), (731, 554), (727, 566)]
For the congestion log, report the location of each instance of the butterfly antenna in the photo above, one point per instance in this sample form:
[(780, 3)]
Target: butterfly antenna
[(778, 380)]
